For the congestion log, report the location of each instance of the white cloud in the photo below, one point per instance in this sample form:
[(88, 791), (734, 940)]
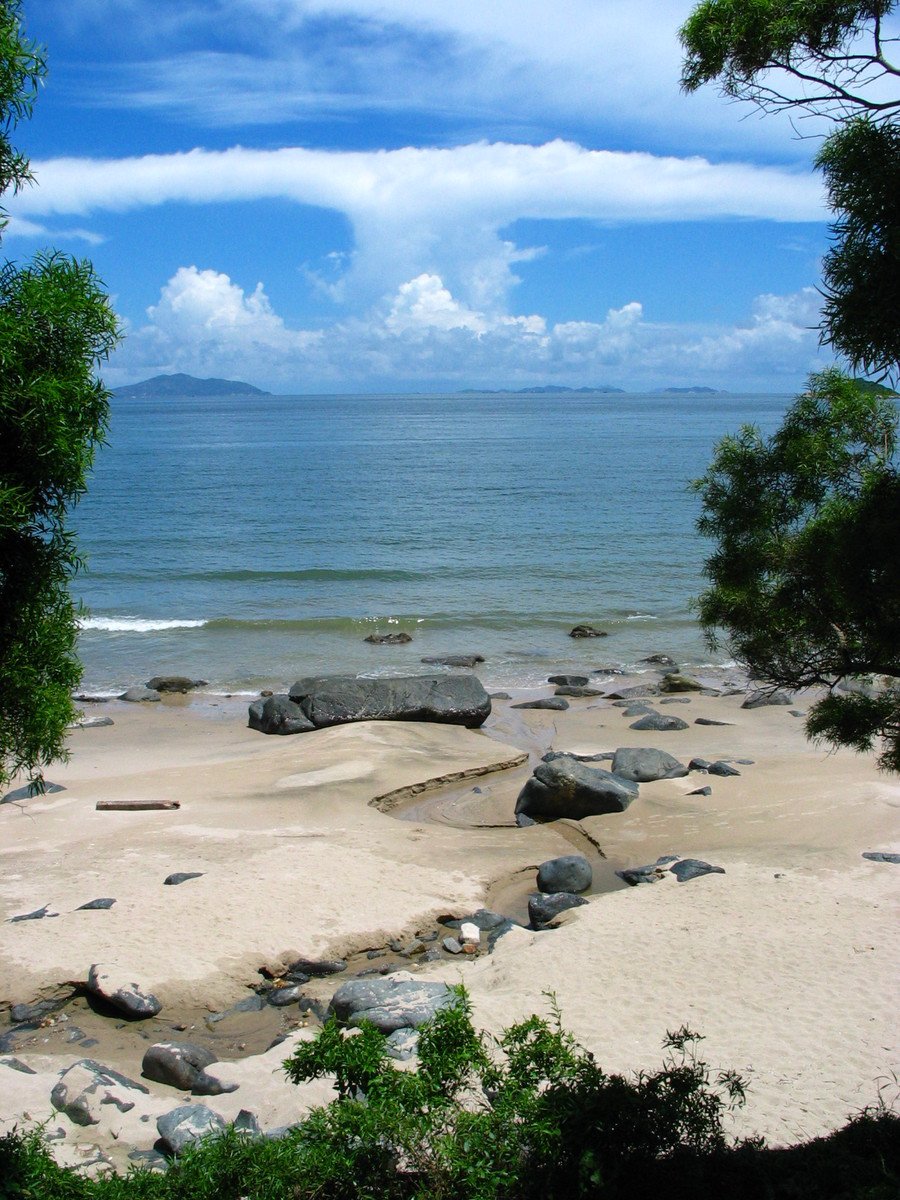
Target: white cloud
[(421, 335), (433, 211), (20, 227)]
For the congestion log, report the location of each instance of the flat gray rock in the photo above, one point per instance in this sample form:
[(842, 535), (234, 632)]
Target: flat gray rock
[(568, 680), (187, 1124), (174, 683), (673, 682), (572, 689), (883, 856), (316, 967), (102, 902), (659, 723), (338, 699), (693, 868), (92, 723), (389, 1004), (453, 660), (642, 764), (569, 873), (111, 983), (278, 715), (87, 1085), (709, 721), (141, 695), (553, 703), (721, 768), (566, 787), (37, 915), (178, 877), (765, 699), (542, 909)]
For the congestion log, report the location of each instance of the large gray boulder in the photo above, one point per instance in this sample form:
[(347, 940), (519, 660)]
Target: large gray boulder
[(278, 714), (86, 1086), (187, 1124), (174, 683), (570, 873), (390, 1004), (114, 984), (566, 787), (767, 699), (338, 699), (183, 1065), (659, 723), (643, 764)]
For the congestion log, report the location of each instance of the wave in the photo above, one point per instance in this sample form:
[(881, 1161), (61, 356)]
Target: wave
[(136, 624)]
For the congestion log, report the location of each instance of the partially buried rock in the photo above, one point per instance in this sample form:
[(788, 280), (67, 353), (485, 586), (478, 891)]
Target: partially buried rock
[(279, 715), (388, 639), (721, 768), (659, 723), (542, 909), (679, 683), (574, 689), (37, 915), (183, 1065), (764, 699), (693, 868), (709, 721), (883, 856), (565, 787), (113, 984), (337, 699), (651, 873), (316, 967), (87, 1086), (454, 660), (390, 1004), (587, 631), (569, 873), (642, 764), (101, 903), (141, 695), (178, 877), (568, 680), (174, 683), (92, 723), (187, 1124), (552, 703), (660, 660)]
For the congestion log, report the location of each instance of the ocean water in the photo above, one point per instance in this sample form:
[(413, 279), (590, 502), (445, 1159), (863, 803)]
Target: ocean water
[(251, 540)]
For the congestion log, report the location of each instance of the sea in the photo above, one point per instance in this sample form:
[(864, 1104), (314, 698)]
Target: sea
[(251, 540)]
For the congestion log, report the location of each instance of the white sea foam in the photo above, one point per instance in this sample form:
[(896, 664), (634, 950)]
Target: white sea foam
[(136, 624)]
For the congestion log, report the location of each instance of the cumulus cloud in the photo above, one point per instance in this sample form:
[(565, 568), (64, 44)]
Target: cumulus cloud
[(434, 211), (422, 336)]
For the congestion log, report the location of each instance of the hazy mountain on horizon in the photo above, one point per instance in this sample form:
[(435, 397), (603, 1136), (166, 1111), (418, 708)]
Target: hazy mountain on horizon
[(188, 385)]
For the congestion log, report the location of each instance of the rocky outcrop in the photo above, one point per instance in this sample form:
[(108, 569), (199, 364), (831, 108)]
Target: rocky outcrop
[(279, 715), (388, 639), (338, 699), (388, 1003), (643, 765), (87, 1085), (114, 985), (566, 787)]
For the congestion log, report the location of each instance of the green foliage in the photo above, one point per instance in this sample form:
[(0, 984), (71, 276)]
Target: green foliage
[(527, 1116), (810, 44), (56, 324), (861, 165), (806, 574)]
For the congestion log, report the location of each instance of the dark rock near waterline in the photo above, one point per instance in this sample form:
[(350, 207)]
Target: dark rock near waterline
[(693, 868), (764, 699), (679, 683), (316, 967), (721, 768), (453, 660), (33, 1014), (390, 1004), (642, 764), (110, 983), (660, 660), (141, 695), (187, 1124), (570, 689), (102, 902), (569, 873), (659, 723), (278, 715), (709, 721), (388, 639), (587, 631), (183, 1065), (568, 680), (883, 856), (482, 917), (601, 756), (500, 696), (544, 908), (37, 915), (638, 692), (337, 699), (553, 703), (284, 997), (182, 877), (703, 791), (564, 787), (651, 873), (174, 683)]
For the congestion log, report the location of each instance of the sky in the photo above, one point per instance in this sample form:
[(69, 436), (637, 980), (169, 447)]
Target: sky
[(413, 195)]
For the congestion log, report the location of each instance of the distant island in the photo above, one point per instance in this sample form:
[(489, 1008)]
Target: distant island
[(690, 391), (187, 385), (547, 389)]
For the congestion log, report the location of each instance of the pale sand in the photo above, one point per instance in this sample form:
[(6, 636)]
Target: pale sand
[(787, 963)]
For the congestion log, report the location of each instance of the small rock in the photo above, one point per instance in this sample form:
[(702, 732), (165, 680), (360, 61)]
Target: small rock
[(141, 695), (37, 915), (402, 1044), (569, 689), (542, 909), (642, 764), (659, 723), (187, 1124), (693, 868), (721, 768), (389, 1003), (92, 723), (109, 982), (102, 902), (181, 877), (676, 700), (282, 997), (247, 1122), (388, 639), (569, 680), (660, 660), (482, 918), (33, 1014), (652, 873), (451, 945), (554, 703), (183, 1065), (278, 715), (565, 787), (317, 968), (413, 948), (174, 683), (469, 932), (587, 631), (673, 682), (709, 721), (702, 791), (454, 660), (764, 699), (500, 695), (569, 873), (883, 856)]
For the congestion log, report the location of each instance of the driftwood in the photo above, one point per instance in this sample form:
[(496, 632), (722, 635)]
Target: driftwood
[(135, 805)]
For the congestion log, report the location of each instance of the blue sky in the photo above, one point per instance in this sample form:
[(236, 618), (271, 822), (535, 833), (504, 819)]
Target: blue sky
[(370, 195)]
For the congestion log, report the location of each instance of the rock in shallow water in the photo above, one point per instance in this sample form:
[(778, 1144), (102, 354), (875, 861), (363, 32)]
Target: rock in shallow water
[(569, 873)]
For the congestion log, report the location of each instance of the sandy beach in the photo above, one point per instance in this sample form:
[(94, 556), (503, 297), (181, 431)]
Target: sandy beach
[(786, 963)]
